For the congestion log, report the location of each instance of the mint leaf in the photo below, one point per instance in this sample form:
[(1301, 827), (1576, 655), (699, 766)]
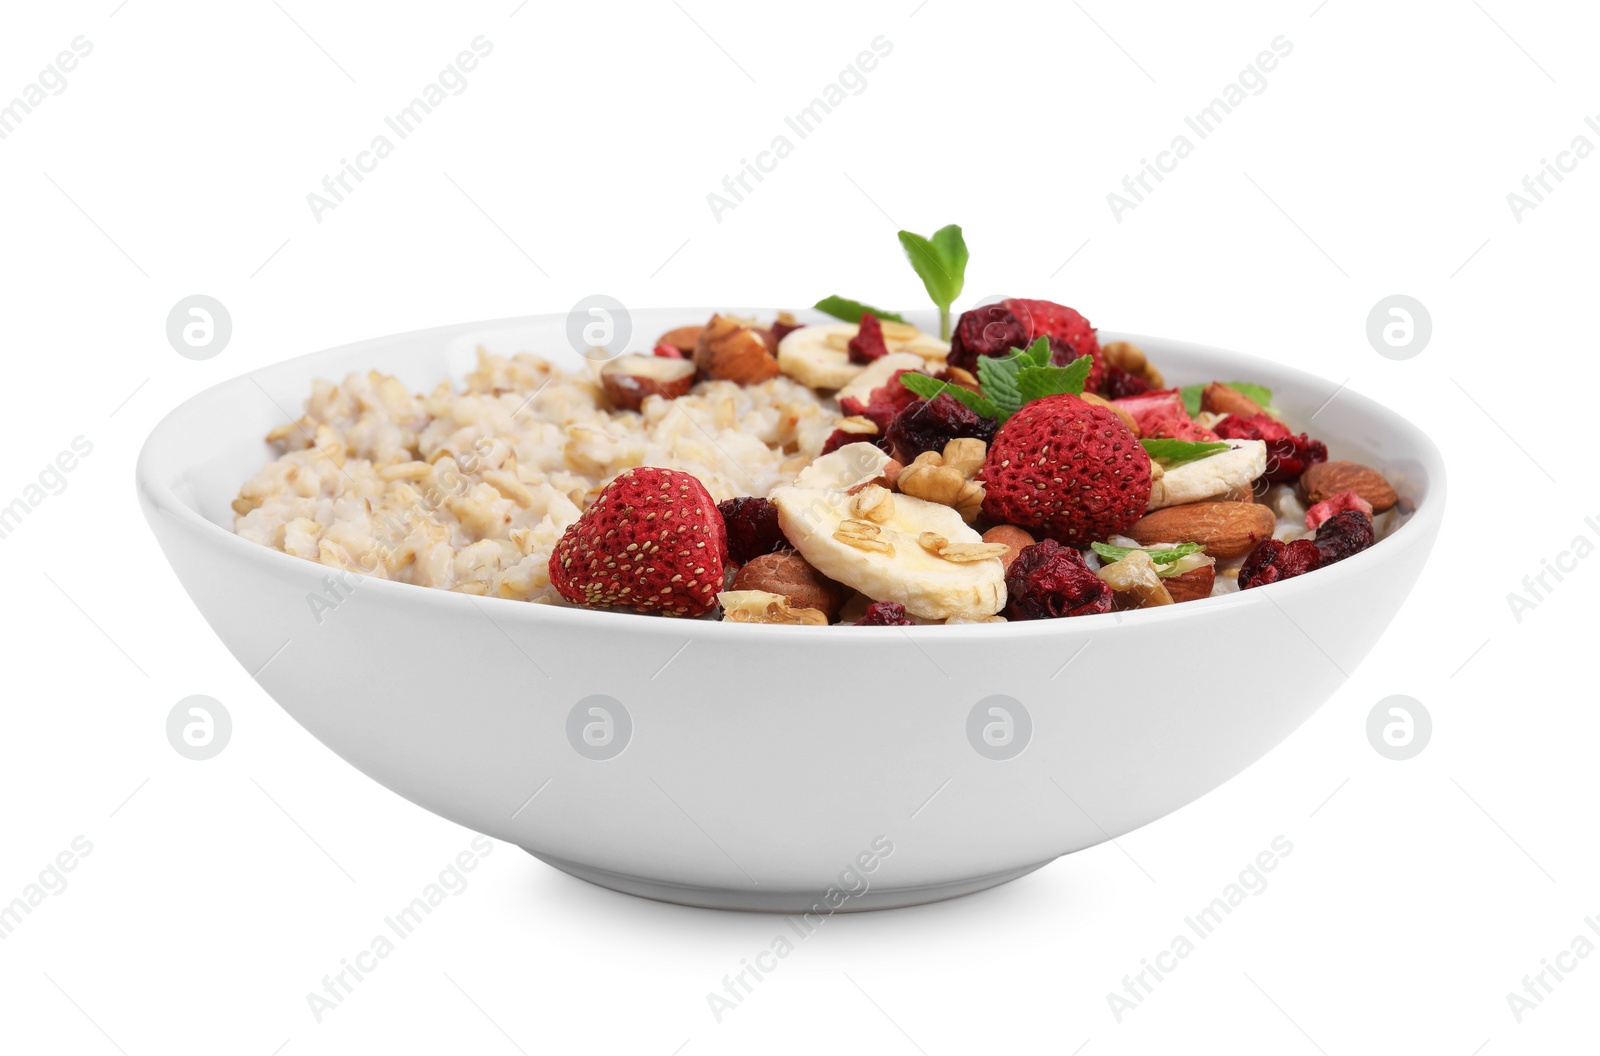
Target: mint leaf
[(1157, 557), (850, 311), (1260, 393), (941, 263), (1038, 353), (930, 388), (998, 377), (1041, 381), (1191, 398), (1178, 452)]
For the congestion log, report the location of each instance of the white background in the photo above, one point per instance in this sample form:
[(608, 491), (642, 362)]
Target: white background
[(1376, 161)]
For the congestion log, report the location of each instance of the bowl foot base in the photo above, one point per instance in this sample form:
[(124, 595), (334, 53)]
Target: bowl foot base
[(754, 899)]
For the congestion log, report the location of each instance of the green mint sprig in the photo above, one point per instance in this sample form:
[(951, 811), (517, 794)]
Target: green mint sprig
[(851, 311), (1179, 452), (931, 388), (941, 262), (1157, 557), (1010, 381)]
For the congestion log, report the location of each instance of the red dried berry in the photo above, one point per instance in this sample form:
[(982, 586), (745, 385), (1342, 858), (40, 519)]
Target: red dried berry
[(868, 343), (989, 330), (884, 614), (891, 396), (652, 542), (1273, 560), (753, 530), (666, 351), (1048, 581), (927, 425), (1119, 384), (1288, 456), (781, 329), (1343, 535), (1066, 469)]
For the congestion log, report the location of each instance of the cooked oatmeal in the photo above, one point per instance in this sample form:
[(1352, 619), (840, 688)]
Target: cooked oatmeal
[(470, 489)]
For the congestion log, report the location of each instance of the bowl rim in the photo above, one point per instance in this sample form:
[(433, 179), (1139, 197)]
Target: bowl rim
[(152, 471)]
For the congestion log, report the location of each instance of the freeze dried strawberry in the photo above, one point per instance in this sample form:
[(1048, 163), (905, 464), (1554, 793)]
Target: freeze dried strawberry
[(1288, 456), (1048, 581), (1070, 334), (884, 614), (1066, 469), (1345, 500), (752, 526), (1343, 535), (1273, 560), (891, 395), (868, 343), (927, 425), (1179, 429), (1161, 413), (653, 542)]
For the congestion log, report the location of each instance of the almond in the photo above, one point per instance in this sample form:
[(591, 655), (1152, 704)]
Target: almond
[(731, 351), (793, 577), (1013, 537), (1193, 584), (1220, 399), (1225, 529), (629, 379), (683, 339), (1327, 479)]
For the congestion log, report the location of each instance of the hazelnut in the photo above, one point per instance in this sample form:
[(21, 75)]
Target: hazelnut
[(730, 350), (629, 379), (1013, 537), (793, 577)]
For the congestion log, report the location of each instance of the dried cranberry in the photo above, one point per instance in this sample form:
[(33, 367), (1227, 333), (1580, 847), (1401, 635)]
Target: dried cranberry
[(1048, 580), (927, 425), (782, 329), (667, 351), (1288, 456), (1119, 384), (989, 330), (884, 614), (868, 344), (752, 528), (1273, 560), (1342, 535), (891, 395)]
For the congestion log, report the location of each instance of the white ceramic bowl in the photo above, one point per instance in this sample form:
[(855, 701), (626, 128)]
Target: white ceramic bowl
[(773, 768)]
